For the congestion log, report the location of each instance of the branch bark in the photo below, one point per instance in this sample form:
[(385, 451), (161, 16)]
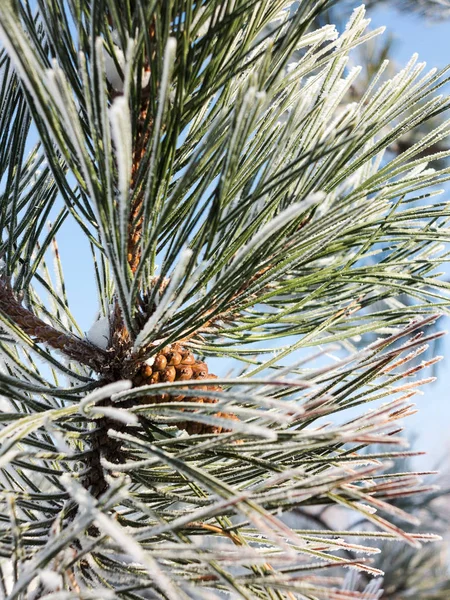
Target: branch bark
[(41, 332)]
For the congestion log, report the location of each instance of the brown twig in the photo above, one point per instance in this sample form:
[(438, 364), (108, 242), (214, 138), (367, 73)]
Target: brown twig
[(143, 134), (136, 219), (72, 346)]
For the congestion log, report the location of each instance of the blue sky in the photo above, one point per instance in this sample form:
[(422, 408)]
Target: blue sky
[(413, 33), (431, 41)]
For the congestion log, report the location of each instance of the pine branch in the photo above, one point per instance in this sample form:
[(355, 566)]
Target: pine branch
[(214, 139)]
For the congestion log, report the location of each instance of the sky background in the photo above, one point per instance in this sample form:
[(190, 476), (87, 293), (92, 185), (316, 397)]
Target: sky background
[(411, 33), (431, 41)]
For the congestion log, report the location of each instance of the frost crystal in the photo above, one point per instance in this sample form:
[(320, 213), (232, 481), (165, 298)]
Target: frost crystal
[(52, 581), (98, 334)]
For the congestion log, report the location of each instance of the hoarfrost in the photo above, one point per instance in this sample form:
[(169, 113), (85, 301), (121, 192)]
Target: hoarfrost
[(117, 414), (7, 458), (106, 391), (328, 33), (170, 301), (370, 509), (51, 580), (120, 121), (204, 27), (276, 224), (59, 440)]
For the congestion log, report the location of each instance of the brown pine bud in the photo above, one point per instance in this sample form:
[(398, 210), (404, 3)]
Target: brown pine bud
[(212, 388), (198, 389), (173, 358), (184, 373), (200, 370), (181, 395), (160, 362), (187, 358), (155, 377), (168, 375), (219, 428), (193, 428), (175, 363)]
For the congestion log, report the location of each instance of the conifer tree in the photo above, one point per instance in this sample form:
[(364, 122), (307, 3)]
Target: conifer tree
[(264, 271)]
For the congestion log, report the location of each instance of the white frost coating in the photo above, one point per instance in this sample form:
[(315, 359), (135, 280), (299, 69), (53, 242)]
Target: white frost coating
[(420, 170), (128, 544), (120, 121), (278, 223), (181, 434), (82, 497), (117, 414), (150, 361), (115, 78), (105, 392), (282, 16), (170, 298), (51, 581), (99, 333), (111, 70), (292, 66), (204, 28), (7, 458), (356, 16), (58, 438), (5, 404), (164, 92), (370, 509), (328, 33)]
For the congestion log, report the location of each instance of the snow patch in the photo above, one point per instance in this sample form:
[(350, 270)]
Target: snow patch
[(99, 333), (51, 581), (112, 72)]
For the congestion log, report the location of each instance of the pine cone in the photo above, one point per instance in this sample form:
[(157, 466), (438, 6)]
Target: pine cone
[(176, 363)]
